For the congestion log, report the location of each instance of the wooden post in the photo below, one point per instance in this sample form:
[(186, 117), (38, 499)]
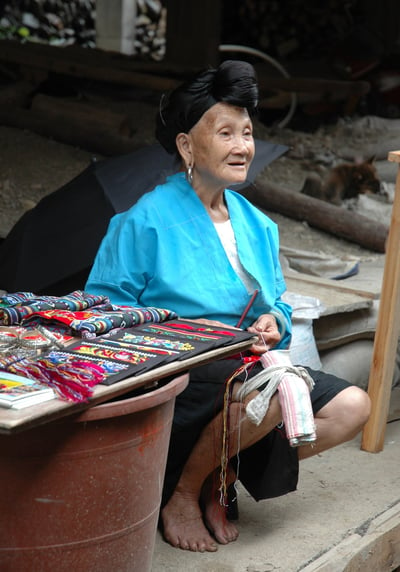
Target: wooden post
[(387, 332), (115, 25), (193, 32)]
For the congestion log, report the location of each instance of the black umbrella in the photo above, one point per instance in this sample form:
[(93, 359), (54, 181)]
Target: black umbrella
[(51, 249)]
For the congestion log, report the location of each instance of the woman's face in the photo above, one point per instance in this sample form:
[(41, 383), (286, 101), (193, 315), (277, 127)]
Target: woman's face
[(222, 145)]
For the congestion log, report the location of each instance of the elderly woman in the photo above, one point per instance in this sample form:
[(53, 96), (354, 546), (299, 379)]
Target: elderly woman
[(196, 247)]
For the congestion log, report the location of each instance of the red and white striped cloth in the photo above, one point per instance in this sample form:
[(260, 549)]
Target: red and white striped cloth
[(293, 385)]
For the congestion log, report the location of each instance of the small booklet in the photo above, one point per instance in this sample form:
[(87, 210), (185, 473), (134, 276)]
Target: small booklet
[(17, 392)]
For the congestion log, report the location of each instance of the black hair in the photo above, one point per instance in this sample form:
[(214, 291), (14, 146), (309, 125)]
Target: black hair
[(232, 82)]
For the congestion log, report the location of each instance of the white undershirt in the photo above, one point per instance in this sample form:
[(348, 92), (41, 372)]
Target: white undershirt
[(227, 237)]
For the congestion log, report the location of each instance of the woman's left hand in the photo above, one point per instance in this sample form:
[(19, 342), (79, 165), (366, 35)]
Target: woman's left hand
[(268, 333)]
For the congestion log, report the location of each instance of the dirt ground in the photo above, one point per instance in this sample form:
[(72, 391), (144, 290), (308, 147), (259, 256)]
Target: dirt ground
[(31, 166)]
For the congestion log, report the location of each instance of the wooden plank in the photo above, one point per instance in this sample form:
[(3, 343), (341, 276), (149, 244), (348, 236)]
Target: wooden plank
[(369, 277), (15, 421), (334, 297), (387, 332), (378, 549), (370, 292)]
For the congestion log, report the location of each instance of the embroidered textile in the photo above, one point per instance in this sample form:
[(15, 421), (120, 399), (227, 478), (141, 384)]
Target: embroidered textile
[(79, 313), (146, 346), (75, 369)]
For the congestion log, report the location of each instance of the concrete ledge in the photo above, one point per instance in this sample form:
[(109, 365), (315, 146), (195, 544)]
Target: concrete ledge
[(377, 547)]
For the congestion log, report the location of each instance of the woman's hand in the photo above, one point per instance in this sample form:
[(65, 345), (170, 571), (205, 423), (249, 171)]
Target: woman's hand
[(268, 333)]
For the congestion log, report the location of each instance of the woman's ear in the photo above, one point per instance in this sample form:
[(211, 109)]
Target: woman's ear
[(184, 147)]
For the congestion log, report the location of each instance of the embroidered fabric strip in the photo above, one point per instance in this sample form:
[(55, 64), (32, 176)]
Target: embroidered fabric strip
[(147, 346), (197, 332), (134, 360), (79, 313), (121, 351), (14, 308)]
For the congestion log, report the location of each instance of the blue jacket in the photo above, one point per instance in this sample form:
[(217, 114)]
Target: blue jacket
[(165, 252)]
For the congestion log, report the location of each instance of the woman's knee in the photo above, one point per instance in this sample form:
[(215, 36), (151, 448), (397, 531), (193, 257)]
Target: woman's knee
[(351, 407), (359, 404)]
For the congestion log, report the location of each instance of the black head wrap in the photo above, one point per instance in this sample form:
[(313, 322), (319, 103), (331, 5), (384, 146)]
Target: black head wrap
[(232, 82)]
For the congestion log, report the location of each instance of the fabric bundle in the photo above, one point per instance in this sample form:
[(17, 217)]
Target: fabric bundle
[(293, 385), (79, 313)]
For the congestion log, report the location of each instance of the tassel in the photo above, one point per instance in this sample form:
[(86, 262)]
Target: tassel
[(72, 381), (225, 453)]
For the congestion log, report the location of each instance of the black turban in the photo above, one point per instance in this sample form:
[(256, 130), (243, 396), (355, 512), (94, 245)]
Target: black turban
[(232, 82)]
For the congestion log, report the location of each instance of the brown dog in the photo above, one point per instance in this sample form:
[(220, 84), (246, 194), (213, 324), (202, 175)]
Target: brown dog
[(345, 181)]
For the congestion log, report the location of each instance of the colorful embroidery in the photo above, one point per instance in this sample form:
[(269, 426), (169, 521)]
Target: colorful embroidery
[(119, 354), (166, 343), (78, 313), (174, 333)]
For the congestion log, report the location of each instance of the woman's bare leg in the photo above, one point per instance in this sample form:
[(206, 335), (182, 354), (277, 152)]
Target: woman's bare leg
[(182, 518), (339, 421), (215, 510)]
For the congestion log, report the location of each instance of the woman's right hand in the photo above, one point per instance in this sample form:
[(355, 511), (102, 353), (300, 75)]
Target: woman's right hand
[(268, 333)]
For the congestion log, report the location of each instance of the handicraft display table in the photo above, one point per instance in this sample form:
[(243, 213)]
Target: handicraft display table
[(81, 482), (12, 422)]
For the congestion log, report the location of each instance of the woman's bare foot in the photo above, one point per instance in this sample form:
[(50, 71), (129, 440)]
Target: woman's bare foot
[(215, 515), (183, 524)]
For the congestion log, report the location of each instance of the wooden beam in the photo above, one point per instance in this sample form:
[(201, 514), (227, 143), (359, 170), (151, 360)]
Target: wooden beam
[(71, 110), (193, 32), (16, 94), (319, 214), (87, 134), (84, 63), (387, 332), (329, 89)]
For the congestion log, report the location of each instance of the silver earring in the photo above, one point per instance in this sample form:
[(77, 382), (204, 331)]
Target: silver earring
[(189, 174)]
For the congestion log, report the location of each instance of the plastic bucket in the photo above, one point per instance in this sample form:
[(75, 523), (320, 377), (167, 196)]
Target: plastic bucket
[(83, 494)]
